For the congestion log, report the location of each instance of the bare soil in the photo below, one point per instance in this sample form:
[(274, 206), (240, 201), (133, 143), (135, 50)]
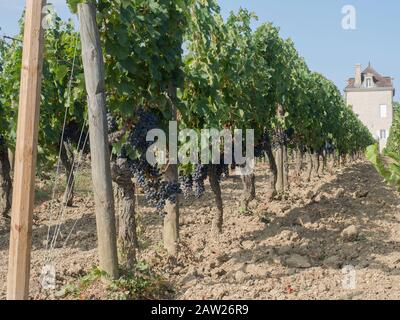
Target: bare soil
[(292, 248)]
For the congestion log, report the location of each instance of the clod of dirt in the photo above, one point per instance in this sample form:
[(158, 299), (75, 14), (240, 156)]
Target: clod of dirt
[(350, 234), (240, 276), (298, 261), (310, 195), (321, 197), (190, 277), (258, 271), (283, 250), (333, 262), (222, 259), (361, 194), (287, 235), (304, 221), (340, 193), (248, 245)]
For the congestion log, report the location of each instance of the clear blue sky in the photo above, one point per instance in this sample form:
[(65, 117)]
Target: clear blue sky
[(315, 27)]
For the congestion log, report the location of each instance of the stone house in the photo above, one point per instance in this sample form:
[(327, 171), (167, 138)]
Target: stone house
[(370, 95)]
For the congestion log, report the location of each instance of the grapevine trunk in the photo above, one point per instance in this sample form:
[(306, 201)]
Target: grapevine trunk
[(67, 161), (218, 218), (249, 190), (310, 165), (274, 170), (316, 164), (127, 231), (127, 237), (285, 168), (5, 181), (299, 161)]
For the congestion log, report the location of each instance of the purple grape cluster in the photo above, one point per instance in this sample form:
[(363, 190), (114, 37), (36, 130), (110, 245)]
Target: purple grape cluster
[(262, 146), (137, 138), (186, 184), (222, 171), (194, 183), (199, 175), (111, 123), (148, 177)]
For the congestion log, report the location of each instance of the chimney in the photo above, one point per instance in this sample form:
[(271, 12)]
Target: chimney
[(357, 82)]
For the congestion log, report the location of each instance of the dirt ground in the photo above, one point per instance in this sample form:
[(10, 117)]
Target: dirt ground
[(337, 237)]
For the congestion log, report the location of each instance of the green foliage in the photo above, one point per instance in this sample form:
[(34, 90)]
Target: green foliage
[(9, 83), (143, 48), (236, 78), (227, 75), (133, 285), (218, 66), (73, 5), (139, 283), (387, 165), (62, 44), (393, 144)]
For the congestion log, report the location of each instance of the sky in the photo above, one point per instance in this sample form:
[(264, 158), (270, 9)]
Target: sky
[(314, 25)]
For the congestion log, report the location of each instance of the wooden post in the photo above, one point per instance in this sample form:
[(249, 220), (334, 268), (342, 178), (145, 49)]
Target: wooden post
[(25, 154), (171, 220), (93, 64)]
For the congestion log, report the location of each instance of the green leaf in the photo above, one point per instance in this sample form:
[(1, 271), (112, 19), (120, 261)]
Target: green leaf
[(61, 73)]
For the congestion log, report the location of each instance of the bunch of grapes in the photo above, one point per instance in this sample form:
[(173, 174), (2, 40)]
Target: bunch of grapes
[(329, 147), (303, 148), (282, 137), (168, 190), (279, 139), (261, 147), (111, 123), (147, 176), (75, 135), (72, 132), (222, 171), (193, 184), (147, 121), (199, 175), (186, 185), (289, 134), (149, 179)]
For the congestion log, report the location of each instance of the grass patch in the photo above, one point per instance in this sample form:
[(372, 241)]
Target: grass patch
[(137, 284)]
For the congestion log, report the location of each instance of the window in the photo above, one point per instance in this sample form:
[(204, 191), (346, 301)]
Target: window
[(383, 134), (383, 110)]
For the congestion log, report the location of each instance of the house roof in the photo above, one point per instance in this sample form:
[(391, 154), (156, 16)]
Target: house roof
[(379, 80)]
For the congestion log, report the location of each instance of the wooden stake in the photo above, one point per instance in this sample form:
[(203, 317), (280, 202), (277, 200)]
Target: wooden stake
[(171, 220), (25, 155), (93, 64)]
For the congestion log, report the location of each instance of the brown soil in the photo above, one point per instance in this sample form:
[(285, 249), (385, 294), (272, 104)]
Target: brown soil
[(288, 249)]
